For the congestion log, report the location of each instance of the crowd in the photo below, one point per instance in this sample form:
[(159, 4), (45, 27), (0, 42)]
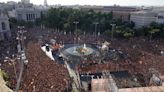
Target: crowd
[(134, 48), (8, 59), (143, 55), (42, 74), (7, 48)]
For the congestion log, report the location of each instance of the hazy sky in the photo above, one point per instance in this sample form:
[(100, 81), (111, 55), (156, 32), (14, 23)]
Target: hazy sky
[(99, 2)]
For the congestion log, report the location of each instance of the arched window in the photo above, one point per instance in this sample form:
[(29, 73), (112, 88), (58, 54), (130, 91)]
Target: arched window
[(3, 26)]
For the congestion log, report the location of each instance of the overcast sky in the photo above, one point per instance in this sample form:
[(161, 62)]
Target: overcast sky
[(99, 2)]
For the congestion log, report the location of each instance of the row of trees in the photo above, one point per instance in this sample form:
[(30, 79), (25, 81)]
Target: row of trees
[(155, 30), (89, 21), (14, 23), (64, 18)]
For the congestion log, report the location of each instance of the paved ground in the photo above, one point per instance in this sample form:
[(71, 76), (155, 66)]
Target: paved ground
[(75, 84), (3, 87)]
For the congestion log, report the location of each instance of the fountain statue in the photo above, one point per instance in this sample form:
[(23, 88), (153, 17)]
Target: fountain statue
[(82, 49), (85, 47)]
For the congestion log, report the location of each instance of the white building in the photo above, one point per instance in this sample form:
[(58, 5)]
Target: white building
[(4, 27), (28, 14), (144, 18), (160, 17)]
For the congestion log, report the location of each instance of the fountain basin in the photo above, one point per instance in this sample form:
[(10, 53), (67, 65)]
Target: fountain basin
[(77, 52)]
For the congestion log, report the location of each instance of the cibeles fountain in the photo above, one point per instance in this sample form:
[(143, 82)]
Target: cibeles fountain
[(75, 53), (80, 50)]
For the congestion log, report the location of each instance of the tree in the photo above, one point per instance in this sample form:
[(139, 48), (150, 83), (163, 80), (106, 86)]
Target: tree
[(63, 18), (119, 31), (152, 32), (128, 35)]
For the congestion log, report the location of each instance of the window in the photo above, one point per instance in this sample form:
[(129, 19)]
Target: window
[(160, 17), (3, 26), (27, 17), (20, 16)]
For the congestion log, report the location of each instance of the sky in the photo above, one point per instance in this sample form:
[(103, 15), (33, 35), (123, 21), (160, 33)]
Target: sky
[(99, 2)]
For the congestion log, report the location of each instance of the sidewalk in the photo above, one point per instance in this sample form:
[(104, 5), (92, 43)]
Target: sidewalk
[(3, 87)]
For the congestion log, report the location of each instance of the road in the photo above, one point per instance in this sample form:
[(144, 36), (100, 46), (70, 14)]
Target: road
[(75, 84)]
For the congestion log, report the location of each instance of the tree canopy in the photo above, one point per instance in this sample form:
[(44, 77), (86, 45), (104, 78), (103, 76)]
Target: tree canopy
[(63, 18)]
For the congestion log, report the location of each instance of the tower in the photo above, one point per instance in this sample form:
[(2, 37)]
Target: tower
[(25, 1), (45, 3)]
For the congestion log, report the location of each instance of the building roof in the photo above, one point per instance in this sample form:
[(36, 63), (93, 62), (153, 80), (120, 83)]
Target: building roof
[(89, 76), (100, 85)]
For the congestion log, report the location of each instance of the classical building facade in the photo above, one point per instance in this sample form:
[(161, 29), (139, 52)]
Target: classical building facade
[(4, 27), (28, 14)]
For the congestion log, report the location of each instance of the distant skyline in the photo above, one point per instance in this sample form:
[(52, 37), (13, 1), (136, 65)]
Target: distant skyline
[(99, 2)]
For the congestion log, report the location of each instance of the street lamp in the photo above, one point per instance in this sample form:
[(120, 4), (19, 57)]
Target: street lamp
[(113, 25), (95, 23), (22, 55), (20, 37), (12, 60), (75, 22)]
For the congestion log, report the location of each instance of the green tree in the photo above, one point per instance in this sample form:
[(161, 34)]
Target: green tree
[(152, 32)]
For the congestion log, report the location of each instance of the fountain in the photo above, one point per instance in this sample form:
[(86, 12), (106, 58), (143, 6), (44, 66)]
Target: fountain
[(78, 51), (75, 53), (82, 49)]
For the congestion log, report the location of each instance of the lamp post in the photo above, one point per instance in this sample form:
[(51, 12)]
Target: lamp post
[(95, 23), (21, 37), (12, 60), (113, 25), (22, 55), (75, 22)]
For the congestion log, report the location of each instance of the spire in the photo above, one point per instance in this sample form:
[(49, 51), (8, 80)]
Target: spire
[(45, 3), (25, 1)]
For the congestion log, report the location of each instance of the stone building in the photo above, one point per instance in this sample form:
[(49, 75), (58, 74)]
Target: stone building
[(28, 14), (4, 27)]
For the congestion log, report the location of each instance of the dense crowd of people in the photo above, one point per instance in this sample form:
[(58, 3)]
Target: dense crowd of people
[(143, 55), (42, 74), (134, 48)]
